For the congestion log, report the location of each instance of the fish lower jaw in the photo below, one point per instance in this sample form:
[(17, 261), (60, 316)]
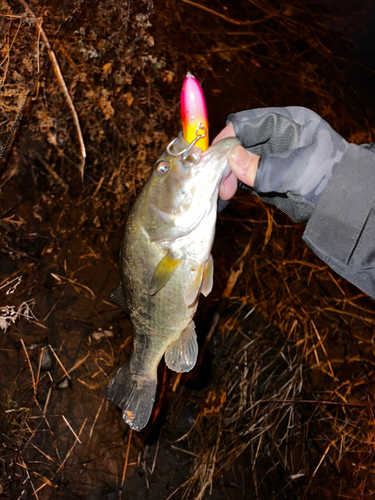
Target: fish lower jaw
[(165, 216), (182, 227)]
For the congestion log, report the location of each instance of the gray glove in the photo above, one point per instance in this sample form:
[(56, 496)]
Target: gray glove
[(298, 154)]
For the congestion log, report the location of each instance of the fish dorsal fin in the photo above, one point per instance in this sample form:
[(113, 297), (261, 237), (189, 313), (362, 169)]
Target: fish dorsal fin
[(117, 297), (181, 355), (208, 276), (163, 272), (192, 290)]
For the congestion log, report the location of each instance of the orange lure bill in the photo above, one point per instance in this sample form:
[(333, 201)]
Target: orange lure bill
[(193, 112)]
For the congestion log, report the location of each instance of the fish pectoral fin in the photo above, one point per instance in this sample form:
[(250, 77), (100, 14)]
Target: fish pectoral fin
[(163, 272), (208, 276), (117, 297), (181, 355), (134, 395), (193, 289)]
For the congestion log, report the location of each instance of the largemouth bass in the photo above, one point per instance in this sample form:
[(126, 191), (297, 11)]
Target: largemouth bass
[(166, 263)]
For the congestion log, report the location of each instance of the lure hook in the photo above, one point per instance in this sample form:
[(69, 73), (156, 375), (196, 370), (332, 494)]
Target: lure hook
[(184, 154)]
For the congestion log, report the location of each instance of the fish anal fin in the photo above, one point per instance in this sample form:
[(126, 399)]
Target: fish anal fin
[(194, 287), (181, 355), (208, 276), (163, 272), (134, 395), (117, 297)]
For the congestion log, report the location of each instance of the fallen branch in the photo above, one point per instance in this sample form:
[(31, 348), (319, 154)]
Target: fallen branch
[(63, 86)]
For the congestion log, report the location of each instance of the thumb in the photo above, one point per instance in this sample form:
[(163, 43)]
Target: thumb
[(243, 164)]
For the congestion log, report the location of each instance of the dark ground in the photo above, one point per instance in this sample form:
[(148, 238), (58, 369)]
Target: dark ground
[(281, 405)]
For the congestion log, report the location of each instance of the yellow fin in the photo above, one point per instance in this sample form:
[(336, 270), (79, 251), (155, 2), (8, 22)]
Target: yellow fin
[(208, 276), (192, 291), (163, 272)]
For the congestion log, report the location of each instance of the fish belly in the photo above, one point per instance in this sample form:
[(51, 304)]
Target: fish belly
[(162, 323)]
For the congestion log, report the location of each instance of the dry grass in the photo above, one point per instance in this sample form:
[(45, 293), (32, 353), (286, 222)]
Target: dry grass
[(291, 402)]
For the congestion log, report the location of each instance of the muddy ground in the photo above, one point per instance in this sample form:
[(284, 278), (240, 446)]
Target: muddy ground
[(281, 403)]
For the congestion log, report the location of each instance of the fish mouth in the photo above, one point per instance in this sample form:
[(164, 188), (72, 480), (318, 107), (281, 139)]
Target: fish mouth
[(208, 182)]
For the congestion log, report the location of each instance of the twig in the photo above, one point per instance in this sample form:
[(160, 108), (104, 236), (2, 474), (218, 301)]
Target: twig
[(228, 19), (30, 367), (176, 382), (74, 283), (47, 401), (71, 428), (72, 447), (59, 362), (156, 454), (322, 458), (185, 451), (125, 464), (46, 481), (63, 86), (42, 453), (96, 418), (79, 363)]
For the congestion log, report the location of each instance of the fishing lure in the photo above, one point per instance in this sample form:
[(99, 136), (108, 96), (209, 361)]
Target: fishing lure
[(194, 112)]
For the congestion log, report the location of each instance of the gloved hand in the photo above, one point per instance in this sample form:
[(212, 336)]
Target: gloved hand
[(298, 154)]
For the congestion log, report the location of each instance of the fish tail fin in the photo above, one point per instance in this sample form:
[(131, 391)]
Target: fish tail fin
[(134, 395)]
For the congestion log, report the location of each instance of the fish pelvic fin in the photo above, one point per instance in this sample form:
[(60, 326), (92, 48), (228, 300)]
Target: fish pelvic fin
[(181, 355), (202, 282), (163, 272), (134, 395), (117, 297), (208, 276), (192, 291)]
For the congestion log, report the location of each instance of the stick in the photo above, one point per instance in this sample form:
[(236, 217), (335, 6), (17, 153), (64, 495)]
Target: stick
[(71, 428), (72, 447), (228, 19), (30, 367), (59, 362), (63, 86), (96, 418), (74, 283), (125, 465)]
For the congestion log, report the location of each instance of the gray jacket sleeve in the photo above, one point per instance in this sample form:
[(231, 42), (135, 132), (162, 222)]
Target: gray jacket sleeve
[(341, 229), (313, 174)]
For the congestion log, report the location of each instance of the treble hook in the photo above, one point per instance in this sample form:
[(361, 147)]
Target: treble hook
[(186, 152)]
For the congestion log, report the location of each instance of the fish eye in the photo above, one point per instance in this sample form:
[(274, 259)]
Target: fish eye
[(161, 168)]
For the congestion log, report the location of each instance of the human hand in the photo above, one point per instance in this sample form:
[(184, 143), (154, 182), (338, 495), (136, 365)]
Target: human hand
[(242, 163), (298, 154)]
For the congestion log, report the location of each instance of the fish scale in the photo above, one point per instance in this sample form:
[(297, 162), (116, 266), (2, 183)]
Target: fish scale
[(165, 264)]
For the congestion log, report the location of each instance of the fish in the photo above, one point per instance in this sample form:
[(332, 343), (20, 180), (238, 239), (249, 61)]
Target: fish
[(165, 263)]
